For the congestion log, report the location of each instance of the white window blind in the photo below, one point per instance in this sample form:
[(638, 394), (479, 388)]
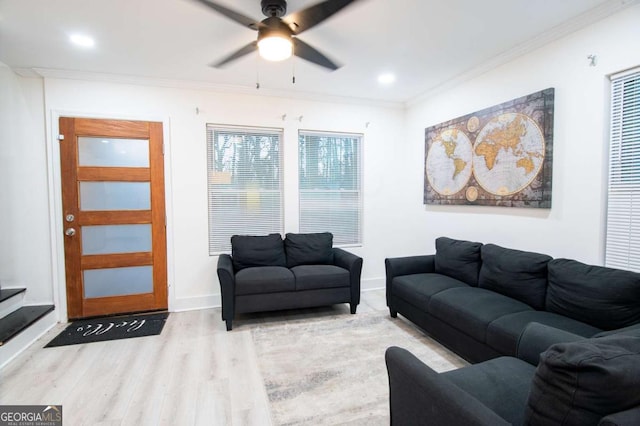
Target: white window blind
[(623, 210), (245, 183), (330, 185)]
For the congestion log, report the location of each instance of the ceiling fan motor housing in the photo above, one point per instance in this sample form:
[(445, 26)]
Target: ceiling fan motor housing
[(274, 27), (274, 8)]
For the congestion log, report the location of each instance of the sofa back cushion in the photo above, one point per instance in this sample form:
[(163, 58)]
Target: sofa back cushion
[(603, 297), (580, 382), (249, 250), (458, 259), (521, 275), (309, 249)]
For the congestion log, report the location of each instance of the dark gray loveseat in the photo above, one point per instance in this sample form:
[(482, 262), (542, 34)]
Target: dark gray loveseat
[(477, 299), (265, 273), (579, 382)]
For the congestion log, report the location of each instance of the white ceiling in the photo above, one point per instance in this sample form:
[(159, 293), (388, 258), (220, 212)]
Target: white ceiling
[(426, 43)]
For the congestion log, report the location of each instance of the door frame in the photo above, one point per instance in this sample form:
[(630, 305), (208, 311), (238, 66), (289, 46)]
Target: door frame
[(55, 201)]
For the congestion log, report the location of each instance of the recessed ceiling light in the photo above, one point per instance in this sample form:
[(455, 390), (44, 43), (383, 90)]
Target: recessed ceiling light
[(82, 40), (386, 78)]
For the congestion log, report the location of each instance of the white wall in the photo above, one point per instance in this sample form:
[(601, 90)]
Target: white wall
[(192, 272), (395, 220), (25, 245), (573, 227)]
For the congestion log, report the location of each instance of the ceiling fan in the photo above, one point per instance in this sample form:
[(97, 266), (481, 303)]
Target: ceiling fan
[(277, 34)]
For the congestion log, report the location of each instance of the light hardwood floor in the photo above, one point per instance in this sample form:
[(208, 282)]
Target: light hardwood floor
[(194, 373)]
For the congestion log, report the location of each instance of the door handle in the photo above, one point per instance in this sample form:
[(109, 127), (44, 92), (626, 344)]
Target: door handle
[(70, 232)]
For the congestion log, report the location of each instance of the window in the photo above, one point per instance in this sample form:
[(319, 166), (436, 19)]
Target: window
[(623, 212), (245, 183), (330, 189)]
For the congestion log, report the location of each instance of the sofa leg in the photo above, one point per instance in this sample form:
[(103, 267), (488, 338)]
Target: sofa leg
[(393, 313), (353, 308), (228, 324)]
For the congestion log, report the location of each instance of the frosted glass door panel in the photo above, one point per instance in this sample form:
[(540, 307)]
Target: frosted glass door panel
[(105, 152), (118, 281), (115, 196), (107, 239)]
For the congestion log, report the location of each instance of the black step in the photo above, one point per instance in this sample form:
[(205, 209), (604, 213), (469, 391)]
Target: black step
[(8, 293), (16, 321)]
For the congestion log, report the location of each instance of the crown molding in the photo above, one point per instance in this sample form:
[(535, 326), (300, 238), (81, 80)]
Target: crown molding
[(592, 16), (200, 86)]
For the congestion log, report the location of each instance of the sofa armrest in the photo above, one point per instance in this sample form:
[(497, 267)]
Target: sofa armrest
[(419, 395), (397, 266), (346, 260), (628, 417), (226, 276), (353, 264), (537, 338)]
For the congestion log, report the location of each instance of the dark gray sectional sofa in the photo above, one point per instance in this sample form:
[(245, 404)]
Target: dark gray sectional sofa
[(267, 273), (477, 299), (558, 378)]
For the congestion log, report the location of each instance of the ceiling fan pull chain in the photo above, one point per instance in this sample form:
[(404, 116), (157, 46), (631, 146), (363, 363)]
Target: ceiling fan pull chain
[(257, 73), (293, 66)]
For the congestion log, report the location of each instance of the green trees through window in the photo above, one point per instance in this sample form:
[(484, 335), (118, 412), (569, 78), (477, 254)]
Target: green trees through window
[(330, 185), (245, 184)]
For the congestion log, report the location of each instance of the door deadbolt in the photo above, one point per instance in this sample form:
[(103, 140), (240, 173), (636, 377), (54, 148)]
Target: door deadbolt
[(70, 218), (70, 232)]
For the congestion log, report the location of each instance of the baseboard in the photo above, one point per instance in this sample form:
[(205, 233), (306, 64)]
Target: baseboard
[(215, 301), (372, 284), (22, 341), (196, 302)]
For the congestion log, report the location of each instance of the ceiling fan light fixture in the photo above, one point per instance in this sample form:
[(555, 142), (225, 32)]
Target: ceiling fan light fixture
[(275, 47)]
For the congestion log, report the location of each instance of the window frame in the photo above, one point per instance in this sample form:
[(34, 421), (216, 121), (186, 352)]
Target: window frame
[(241, 130), (622, 220), (359, 191)]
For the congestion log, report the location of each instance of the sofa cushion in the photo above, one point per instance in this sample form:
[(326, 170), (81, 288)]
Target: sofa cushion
[(471, 309), (250, 250), (310, 277), (632, 330), (417, 289), (502, 384), (264, 279), (580, 382), (309, 249), (504, 332), (458, 259), (515, 273), (603, 297)]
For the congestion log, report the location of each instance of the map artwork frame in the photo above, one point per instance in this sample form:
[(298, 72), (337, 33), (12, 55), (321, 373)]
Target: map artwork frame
[(498, 156)]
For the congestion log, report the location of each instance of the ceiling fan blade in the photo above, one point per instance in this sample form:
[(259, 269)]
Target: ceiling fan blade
[(251, 47), (231, 14), (304, 51), (306, 18)]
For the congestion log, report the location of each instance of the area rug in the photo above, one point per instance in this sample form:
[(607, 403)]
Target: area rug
[(110, 328), (332, 371)]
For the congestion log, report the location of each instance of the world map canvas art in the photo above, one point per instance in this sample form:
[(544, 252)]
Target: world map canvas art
[(499, 156)]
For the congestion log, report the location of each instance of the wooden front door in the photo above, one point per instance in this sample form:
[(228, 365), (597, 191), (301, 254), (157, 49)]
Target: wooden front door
[(113, 216)]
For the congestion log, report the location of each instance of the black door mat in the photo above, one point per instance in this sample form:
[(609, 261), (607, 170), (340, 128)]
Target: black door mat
[(110, 328)]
